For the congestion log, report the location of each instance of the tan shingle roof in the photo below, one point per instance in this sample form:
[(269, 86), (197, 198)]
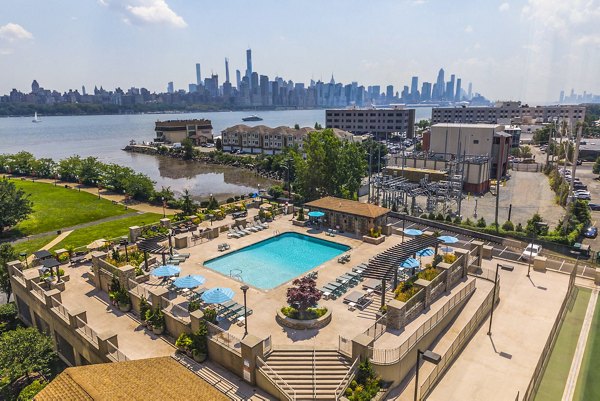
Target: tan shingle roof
[(145, 379), (348, 206)]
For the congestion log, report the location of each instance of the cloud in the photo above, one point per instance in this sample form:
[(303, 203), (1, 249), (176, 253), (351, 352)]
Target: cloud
[(468, 29), (145, 12), (504, 7), (14, 32)]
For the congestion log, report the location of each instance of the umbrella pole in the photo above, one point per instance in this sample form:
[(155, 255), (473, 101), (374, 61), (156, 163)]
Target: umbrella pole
[(382, 293), (395, 278), (146, 260), (163, 258)]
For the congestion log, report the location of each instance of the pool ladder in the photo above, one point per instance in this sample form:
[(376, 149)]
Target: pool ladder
[(236, 274)]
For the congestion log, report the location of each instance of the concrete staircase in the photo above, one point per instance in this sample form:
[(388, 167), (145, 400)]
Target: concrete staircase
[(313, 374)]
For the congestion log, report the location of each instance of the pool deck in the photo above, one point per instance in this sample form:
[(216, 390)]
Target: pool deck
[(265, 303)]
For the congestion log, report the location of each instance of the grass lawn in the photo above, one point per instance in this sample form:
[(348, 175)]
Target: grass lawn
[(108, 230), (557, 371), (588, 386), (57, 207), (33, 245)]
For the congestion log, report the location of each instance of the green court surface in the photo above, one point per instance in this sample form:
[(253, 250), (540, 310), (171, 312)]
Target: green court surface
[(588, 385), (556, 374)]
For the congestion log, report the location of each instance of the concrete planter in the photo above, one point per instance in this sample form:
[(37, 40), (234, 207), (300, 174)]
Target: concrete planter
[(198, 357), (299, 223), (303, 324), (374, 241), (158, 330), (124, 307)]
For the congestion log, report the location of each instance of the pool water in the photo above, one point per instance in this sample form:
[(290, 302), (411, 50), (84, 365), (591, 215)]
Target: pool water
[(274, 261)]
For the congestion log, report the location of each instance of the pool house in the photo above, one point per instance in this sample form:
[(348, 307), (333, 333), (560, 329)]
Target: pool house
[(349, 216)]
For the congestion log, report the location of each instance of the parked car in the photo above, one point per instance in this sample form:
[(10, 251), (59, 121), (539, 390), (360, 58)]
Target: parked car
[(594, 206), (531, 252), (590, 232)]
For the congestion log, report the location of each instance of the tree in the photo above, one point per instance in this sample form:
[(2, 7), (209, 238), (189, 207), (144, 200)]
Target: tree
[(139, 187), (115, 177), (525, 151), (188, 149), (188, 206), (296, 126), (275, 191), (318, 126), (219, 144), (21, 163), (7, 254), (90, 171), (596, 168), (423, 124), (303, 295), (15, 205), (25, 351), (533, 226), (69, 168)]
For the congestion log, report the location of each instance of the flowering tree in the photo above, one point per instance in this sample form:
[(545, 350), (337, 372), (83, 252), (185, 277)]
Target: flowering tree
[(303, 295)]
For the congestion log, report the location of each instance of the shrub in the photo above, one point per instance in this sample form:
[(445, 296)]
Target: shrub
[(457, 220), (439, 217), (193, 306), (301, 214), (508, 226), (481, 223), (449, 258), (210, 315), (30, 391), (423, 216), (405, 291), (428, 274), (144, 308), (436, 260), (468, 222), (184, 341), (8, 312), (448, 218), (519, 228), (431, 216)]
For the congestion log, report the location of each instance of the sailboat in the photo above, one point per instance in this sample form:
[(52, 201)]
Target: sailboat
[(36, 119)]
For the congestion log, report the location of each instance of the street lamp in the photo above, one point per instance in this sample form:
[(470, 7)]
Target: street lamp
[(163, 205), (245, 288), (498, 265), (428, 356), (124, 243), (23, 255)]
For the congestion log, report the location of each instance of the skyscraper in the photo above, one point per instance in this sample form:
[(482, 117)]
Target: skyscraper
[(170, 88), (562, 97), (426, 91), (249, 65), (414, 87), (440, 85), (389, 92), (470, 92), (457, 97), (450, 87), (226, 69), (83, 92), (198, 76), (238, 79)]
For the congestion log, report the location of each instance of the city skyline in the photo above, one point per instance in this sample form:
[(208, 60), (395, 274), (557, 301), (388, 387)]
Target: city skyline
[(545, 45)]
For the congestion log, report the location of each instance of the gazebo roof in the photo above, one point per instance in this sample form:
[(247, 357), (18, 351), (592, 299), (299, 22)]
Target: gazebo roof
[(347, 206), (42, 254)]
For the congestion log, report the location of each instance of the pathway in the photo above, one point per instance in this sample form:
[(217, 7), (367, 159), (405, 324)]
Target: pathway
[(50, 244), (580, 350), (78, 226)]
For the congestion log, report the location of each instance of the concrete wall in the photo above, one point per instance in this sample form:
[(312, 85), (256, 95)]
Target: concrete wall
[(225, 357)]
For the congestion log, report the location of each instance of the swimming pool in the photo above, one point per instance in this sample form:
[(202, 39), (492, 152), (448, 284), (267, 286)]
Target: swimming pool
[(276, 260)]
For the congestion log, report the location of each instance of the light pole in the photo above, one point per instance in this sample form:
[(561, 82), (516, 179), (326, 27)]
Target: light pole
[(124, 243), (23, 255), (163, 205), (493, 298), (245, 288), (428, 356)]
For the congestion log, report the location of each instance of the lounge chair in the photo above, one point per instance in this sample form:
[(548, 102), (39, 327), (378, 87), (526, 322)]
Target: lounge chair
[(250, 228), (354, 296), (220, 248), (232, 311), (241, 232), (225, 246), (264, 223), (373, 284), (232, 234), (258, 226), (240, 314)]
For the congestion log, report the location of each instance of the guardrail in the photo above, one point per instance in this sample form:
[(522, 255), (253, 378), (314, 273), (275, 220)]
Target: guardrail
[(140, 290), (341, 388), (178, 312), (60, 309), (345, 346), (115, 353), (224, 337), (457, 345), (377, 329), (285, 389), (87, 331), (393, 355), (267, 346), (37, 290)]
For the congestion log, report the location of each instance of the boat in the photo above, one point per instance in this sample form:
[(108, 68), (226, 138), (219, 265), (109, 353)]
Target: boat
[(253, 117), (36, 119)]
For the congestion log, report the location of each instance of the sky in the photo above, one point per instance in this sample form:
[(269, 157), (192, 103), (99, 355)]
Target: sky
[(525, 50)]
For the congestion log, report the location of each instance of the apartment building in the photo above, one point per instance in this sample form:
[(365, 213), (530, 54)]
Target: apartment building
[(263, 139), (515, 112), (173, 131), (377, 122)]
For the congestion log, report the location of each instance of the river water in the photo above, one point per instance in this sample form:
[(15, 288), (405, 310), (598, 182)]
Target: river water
[(105, 136)]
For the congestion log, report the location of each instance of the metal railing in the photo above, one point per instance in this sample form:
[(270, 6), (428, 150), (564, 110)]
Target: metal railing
[(267, 346), (280, 384), (60, 309), (457, 345), (345, 346), (377, 329), (341, 388), (115, 353), (224, 337), (178, 312), (87, 331), (540, 368), (393, 355)]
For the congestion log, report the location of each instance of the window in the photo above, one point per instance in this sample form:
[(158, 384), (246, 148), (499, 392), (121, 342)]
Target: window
[(475, 141)]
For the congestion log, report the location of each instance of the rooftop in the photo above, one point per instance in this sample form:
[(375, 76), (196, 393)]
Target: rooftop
[(463, 125), (154, 379), (177, 123), (349, 207)]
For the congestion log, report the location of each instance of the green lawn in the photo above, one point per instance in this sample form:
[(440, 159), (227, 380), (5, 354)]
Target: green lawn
[(56, 207), (33, 245), (557, 371), (108, 230), (588, 385)]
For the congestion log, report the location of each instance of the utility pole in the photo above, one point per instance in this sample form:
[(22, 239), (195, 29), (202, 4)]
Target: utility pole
[(573, 171)]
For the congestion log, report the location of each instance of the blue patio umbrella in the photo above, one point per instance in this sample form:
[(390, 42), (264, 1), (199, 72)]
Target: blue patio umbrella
[(425, 252), (217, 295), (413, 231), (316, 214), (189, 281), (166, 271), (410, 262), (447, 239), (447, 249)]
